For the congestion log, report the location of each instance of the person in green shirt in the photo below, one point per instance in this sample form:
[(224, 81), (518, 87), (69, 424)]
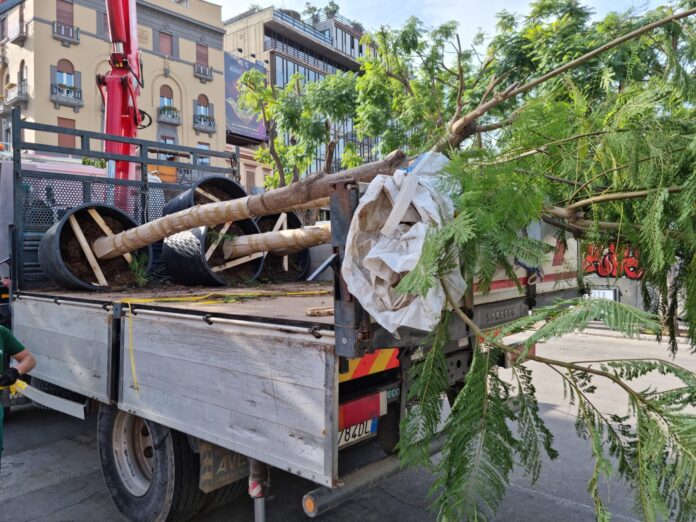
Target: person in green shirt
[(25, 362)]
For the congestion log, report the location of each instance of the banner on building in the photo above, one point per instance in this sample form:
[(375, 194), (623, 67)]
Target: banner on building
[(239, 121)]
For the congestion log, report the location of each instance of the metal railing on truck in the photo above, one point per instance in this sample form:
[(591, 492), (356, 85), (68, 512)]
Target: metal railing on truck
[(41, 198)]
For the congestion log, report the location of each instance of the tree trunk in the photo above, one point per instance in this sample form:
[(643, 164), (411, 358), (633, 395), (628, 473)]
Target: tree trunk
[(314, 187), (282, 242)]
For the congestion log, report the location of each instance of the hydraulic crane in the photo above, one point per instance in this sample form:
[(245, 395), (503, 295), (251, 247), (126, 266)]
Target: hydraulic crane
[(120, 89)]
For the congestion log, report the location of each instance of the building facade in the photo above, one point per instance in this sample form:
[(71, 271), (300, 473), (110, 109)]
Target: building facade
[(52, 50), (288, 45)]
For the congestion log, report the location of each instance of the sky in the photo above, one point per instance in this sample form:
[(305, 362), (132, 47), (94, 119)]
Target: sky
[(471, 14)]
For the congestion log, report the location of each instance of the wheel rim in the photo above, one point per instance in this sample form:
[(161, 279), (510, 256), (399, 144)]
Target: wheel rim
[(133, 453)]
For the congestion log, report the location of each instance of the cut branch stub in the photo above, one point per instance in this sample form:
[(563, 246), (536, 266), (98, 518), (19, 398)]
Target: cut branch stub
[(312, 188)]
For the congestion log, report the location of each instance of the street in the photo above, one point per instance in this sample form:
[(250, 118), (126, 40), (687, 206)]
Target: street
[(51, 469)]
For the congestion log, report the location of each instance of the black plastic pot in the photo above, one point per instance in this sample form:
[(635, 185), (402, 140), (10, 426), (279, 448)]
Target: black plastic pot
[(183, 255), (216, 184), (299, 261), (53, 253)]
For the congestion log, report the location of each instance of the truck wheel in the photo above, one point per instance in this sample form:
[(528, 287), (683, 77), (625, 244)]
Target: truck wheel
[(54, 390), (150, 471)]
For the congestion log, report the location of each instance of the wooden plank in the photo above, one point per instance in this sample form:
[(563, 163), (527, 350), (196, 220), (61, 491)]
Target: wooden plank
[(205, 194), (87, 250), (106, 229), (320, 312), (238, 261), (218, 239), (402, 203), (282, 223)]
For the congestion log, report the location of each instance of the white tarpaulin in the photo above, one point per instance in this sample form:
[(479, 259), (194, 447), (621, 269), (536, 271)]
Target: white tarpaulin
[(374, 263)]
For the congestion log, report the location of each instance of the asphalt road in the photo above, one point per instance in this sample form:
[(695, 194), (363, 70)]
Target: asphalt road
[(50, 469)]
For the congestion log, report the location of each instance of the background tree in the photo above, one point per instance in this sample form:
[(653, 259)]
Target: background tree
[(302, 121)]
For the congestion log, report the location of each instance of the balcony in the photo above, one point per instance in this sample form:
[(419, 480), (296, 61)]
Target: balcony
[(66, 34), (169, 115), (17, 34), (286, 19), (66, 95), (204, 123), (16, 94), (203, 72), (270, 44)]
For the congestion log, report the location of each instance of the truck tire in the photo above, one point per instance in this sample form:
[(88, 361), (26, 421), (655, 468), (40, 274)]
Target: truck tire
[(150, 471), (54, 390)]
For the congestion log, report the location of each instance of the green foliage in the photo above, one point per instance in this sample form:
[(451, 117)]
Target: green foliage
[(478, 455), (94, 162), (301, 119), (138, 268), (430, 383), (606, 152)]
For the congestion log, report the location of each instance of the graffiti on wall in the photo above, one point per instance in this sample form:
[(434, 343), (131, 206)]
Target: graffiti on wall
[(604, 262)]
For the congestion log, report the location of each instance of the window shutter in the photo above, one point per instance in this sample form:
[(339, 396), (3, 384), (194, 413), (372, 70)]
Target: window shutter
[(202, 54), (54, 73), (165, 44), (175, 46), (64, 12), (211, 110), (66, 140), (78, 80)]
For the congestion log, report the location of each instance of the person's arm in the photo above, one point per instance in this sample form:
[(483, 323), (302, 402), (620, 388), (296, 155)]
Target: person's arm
[(26, 361)]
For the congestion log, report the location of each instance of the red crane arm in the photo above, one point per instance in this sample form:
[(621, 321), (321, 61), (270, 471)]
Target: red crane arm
[(120, 87)]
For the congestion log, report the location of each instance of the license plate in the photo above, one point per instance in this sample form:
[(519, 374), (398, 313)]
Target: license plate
[(356, 433)]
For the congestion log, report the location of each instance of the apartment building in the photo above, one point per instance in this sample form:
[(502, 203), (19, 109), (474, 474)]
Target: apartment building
[(287, 44), (52, 50)]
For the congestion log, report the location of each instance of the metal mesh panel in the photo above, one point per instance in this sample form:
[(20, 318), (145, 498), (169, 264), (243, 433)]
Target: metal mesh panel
[(45, 198)]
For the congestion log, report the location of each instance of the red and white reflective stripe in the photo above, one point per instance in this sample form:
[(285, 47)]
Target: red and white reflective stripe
[(359, 410)]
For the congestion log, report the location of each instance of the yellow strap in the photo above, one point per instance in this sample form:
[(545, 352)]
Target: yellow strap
[(131, 352), (215, 297), (16, 388)]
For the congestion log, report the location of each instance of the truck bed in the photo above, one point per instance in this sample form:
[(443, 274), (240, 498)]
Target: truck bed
[(287, 303), (242, 368)]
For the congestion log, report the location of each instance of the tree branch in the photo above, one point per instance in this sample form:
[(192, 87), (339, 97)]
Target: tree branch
[(462, 128), (551, 362), (615, 196)]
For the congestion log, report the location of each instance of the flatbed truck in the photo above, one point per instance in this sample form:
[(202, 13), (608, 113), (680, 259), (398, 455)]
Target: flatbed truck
[(197, 389)]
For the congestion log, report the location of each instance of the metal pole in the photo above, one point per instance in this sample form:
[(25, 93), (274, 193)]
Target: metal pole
[(260, 509)]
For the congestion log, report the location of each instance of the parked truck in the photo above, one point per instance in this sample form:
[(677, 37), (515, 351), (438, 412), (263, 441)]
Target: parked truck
[(194, 388)]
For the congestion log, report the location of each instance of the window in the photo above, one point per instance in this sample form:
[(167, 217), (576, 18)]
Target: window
[(166, 97), (3, 28), (169, 141), (65, 74), (22, 74), (66, 140), (202, 106), (250, 175), (64, 12), (202, 54), (204, 160), (165, 44)]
